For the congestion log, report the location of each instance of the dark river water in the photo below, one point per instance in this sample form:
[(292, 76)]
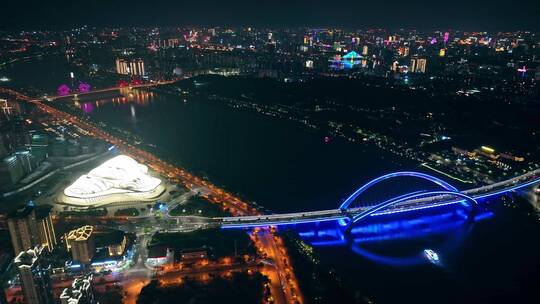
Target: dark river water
[(285, 167), (275, 163)]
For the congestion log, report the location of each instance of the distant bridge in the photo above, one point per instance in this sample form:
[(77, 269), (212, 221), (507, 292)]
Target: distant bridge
[(417, 200)]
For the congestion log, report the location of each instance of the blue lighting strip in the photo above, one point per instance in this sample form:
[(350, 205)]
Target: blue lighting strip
[(430, 178), (378, 213), (402, 199), (476, 197)]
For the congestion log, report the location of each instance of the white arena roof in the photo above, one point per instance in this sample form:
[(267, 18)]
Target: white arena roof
[(121, 177)]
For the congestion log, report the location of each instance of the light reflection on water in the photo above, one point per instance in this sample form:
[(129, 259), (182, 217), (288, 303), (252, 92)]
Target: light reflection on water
[(125, 96), (443, 229)]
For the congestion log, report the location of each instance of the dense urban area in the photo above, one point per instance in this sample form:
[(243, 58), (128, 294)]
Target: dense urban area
[(92, 212)]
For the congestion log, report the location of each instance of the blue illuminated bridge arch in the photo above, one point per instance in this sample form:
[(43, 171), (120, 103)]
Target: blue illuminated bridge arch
[(444, 185), (411, 196), (346, 213)]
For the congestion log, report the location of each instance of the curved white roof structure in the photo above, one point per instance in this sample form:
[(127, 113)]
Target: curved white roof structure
[(117, 176)]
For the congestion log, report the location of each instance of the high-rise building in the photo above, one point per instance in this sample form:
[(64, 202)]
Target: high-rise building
[(7, 110), (11, 170), (403, 51), (45, 228), (30, 227), (130, 67), (34, 277), (394, 67), (26, 160), (3, 148), (421, 65), (22, 228), (58, 146), (80, 292), (81, 243), (418, 65), (39, 145), (122, 66), (169, 43), (365, 50), (137, 67), (442, 52)]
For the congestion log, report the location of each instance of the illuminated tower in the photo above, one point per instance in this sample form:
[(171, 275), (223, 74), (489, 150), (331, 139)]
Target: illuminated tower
[(133, 68), (121, 66), (80, 292), (140, 67), (81, 243), (136, 67), (421, 65), (403, 51), (34, 277), (30, 227), (365, 50), (418, 65), (442, 52), (394, 66), (45, 228)]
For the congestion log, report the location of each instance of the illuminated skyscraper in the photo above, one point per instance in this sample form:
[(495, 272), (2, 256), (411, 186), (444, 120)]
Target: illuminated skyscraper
[(34, 277), (442, 52), (121, 66), (45, 228), (80, 292), (394, 66), (81, 243), (136, 67), (365, 50), (130, 67), (140, 68), (418, 65), (30, 227)]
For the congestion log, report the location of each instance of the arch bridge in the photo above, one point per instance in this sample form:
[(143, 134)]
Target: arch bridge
[(445, 195)]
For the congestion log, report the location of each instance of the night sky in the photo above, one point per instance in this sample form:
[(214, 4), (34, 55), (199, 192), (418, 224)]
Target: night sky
[(392, 14)]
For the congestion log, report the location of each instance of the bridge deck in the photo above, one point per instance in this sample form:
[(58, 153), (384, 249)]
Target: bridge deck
[(517, 182)]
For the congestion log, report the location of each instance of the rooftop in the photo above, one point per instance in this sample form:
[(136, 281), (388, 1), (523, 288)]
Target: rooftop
[(81, 234), (109, 237), (22, 212), (26, 258)]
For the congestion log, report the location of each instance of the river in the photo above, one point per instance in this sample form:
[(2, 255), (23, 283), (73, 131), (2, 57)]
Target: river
[(285, 167)]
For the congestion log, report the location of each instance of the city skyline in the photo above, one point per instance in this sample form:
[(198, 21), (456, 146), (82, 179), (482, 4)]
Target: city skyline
[(269, 152)]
